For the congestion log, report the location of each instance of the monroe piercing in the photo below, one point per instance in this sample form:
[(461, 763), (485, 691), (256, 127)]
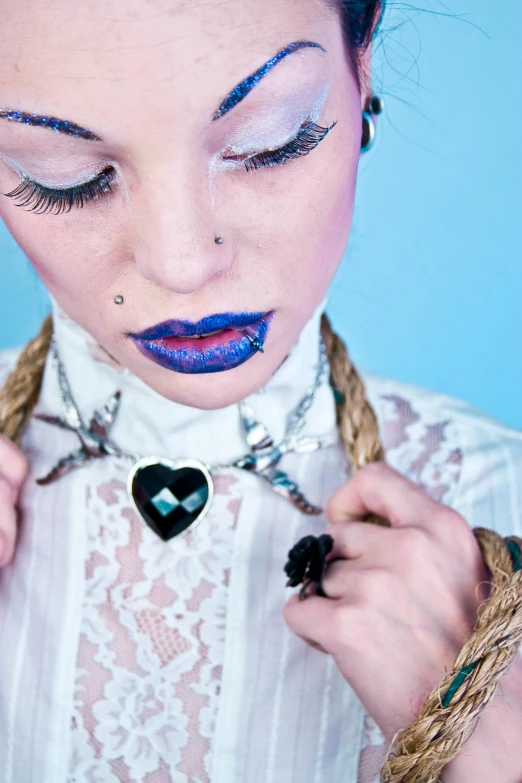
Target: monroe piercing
[(255, 343), (218, 240), (118, 299)]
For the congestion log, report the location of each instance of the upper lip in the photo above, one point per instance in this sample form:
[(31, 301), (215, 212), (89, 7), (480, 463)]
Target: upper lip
[(211, 323)]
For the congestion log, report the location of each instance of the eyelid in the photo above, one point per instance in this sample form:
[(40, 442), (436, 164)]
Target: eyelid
[(308, 137), (58, 200), (288, 122), (88, 174)]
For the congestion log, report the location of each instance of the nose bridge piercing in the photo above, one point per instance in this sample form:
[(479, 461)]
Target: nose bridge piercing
[(118, 299), (219, 240)]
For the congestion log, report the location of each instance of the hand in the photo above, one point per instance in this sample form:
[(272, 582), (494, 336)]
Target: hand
[(401, 600), (13, 470)]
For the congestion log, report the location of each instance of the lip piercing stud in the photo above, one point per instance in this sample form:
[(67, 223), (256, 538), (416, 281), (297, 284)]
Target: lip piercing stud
[(255, 343), (118, 299), (218, 240)]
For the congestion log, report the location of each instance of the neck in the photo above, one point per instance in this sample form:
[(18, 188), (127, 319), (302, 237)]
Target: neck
[(148, 423)]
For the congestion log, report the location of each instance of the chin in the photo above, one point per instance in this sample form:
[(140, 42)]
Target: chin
[(210, 391)]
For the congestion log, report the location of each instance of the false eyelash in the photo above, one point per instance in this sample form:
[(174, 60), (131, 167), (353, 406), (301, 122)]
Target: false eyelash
[(306, 140), (42, 199)]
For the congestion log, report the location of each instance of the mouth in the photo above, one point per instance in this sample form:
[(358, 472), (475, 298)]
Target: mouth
[(213, 344)]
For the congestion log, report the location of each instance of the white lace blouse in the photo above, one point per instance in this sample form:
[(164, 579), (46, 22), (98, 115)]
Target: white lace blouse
[(127, 659)]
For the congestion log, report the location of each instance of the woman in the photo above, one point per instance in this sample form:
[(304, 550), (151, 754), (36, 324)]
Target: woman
[(182, 178)]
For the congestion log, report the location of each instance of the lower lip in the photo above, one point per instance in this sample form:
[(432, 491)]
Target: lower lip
[(215, 353)]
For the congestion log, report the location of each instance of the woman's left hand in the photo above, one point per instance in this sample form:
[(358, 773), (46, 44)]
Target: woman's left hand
[(401, 600)]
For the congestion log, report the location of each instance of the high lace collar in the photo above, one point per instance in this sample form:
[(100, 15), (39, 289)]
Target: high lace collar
[(149, 424)]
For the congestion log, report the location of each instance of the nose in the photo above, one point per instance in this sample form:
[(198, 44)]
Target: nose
[(175, 233)]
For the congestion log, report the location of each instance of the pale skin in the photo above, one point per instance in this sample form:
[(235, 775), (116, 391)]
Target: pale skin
[(402, 600)]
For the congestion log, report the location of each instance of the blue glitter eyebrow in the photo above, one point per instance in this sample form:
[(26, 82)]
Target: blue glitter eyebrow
[(248, 84), (41, 121), (232, 99)]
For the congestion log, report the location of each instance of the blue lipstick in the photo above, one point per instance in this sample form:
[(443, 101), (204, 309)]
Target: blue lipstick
[(213, 344)]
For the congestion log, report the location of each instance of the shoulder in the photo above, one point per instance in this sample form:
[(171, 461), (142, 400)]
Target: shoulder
[(460, 455), (8, 360)]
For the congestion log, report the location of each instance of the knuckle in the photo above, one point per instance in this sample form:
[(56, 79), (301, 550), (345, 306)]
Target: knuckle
[(451, 522), (454, 532), (372, 471)]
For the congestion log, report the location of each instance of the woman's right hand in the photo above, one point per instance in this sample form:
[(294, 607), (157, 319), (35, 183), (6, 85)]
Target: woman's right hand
[(13, 470)]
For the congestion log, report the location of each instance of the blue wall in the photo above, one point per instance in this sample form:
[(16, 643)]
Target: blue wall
[(430, 289)]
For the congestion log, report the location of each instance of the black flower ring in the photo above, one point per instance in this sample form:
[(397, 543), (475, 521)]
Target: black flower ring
[(307, 563)]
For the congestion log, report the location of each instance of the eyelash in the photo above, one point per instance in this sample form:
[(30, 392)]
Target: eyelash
[(62, 200), (307, 139), (40, 199)]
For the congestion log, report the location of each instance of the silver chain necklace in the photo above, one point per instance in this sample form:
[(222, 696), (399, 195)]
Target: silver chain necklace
[(172, 496)]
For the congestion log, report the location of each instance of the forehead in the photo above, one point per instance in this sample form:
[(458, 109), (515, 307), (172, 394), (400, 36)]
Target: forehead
[(82, 55)]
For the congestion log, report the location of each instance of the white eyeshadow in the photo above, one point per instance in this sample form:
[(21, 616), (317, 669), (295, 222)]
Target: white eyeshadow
[(270, 132), (54, 183), (278, 128)]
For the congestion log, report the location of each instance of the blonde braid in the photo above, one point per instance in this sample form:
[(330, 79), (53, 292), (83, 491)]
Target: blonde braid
[(449, 714), (20, 393), (417, 758), (356, 418)]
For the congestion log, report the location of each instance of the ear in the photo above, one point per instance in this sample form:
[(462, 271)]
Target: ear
[(364, 67)]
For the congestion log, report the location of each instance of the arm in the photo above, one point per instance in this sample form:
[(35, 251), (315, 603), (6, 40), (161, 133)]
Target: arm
[(401, 603), (494, 751)]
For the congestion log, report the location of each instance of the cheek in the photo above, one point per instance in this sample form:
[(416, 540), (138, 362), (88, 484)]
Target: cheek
[(298, 218), (75, 257)]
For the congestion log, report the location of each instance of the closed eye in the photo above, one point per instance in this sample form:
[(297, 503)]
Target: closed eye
[(39, 198), (307, 139), (34, 197)]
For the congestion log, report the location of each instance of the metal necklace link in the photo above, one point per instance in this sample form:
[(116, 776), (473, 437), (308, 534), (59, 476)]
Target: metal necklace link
[(262, 458)]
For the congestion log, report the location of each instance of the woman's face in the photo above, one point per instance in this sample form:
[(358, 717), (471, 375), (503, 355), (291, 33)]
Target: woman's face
[(152, 81)]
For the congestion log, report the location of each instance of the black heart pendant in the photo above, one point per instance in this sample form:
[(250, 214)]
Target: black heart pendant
[(171, 496)]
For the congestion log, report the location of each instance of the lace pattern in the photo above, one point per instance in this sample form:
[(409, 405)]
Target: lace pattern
[(151, 645)]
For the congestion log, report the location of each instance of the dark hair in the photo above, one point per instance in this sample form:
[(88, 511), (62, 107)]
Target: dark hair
[(360, 20)]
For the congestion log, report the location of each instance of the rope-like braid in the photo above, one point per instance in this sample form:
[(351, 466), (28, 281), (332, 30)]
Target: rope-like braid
[(20, 393), (356, 419), (449, 714)]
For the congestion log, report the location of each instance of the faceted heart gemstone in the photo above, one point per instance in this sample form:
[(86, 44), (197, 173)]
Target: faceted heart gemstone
[(170, 496)]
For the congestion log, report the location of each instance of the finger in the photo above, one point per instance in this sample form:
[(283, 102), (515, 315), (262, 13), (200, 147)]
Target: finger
[(311, 619), (13, 463), (8, 522), (338, 578), (379, 489), (352, 540)]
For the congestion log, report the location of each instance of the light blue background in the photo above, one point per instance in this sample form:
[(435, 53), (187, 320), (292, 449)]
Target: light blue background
[(429, 291)]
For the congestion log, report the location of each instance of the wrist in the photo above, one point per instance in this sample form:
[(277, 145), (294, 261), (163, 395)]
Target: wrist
[(493, 750)]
